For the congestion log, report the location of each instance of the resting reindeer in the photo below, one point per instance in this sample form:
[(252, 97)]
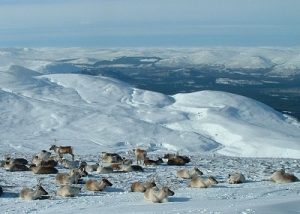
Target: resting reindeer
[(39, 162), (105, 169), (61, 150), (93, 185), (88, 167), (18, 161), (140, 155), (198, 182), (158, 195), (142, 187), (43, 169), (33, 194), (280, 176), (187, 174), (43, 155), (149, 162), (176, 159), (236, 178), (131, 168), (12, 166), (70, 164), (71, 178), (111, 157), (68, 191)]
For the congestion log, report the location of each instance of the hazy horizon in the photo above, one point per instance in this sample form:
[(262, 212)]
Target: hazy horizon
[(139, 23)]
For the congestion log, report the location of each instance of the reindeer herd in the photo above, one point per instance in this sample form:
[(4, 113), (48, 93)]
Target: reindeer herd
[(45, 162)]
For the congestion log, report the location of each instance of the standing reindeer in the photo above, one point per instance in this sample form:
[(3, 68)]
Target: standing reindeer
[(61, 150), (140, 155)]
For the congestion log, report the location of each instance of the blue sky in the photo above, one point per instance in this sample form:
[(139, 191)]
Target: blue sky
[(159, 23)]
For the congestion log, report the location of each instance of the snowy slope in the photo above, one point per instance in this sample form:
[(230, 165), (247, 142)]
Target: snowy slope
[(102, 113)]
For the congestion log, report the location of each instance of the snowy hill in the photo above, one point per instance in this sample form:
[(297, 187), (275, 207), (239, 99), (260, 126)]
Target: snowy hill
[(104, 114)]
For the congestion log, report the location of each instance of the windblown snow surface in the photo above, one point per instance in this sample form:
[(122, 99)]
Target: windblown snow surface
[(222, 133)]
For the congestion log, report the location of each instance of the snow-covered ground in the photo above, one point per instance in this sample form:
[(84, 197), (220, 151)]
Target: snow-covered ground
[(222, 132)]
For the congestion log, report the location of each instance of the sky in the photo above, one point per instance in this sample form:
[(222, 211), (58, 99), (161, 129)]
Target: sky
[(149, 23)]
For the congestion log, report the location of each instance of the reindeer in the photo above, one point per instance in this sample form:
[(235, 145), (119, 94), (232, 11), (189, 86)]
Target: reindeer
[(18, 161), (140, 155), (65, 178), (131, 168), (70, 164), (187, 174), (105, 169), (280, 176), (1, 191), (149, 162), (111, 157), (43, 155), (236, 178), (89, 168), (48, 163), (158, 195), (202, 183), (61, 150), (118, 166), (31, 194), (173, 158), (93, 185), (43, 169), (142, 187), (68, 191), (14, 167)]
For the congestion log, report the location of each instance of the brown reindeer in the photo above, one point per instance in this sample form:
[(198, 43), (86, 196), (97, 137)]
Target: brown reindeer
[(131, 168), (39, 162), (43, 169), (158, 195), (142, 187), (93, 185), (68, 178), (111, 157), (18, 161), (15, 167), (280, 176), (187, 174), (68, 191), (140, 155), (61, 150), (33, 194), (198, 182), (149, 162)]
